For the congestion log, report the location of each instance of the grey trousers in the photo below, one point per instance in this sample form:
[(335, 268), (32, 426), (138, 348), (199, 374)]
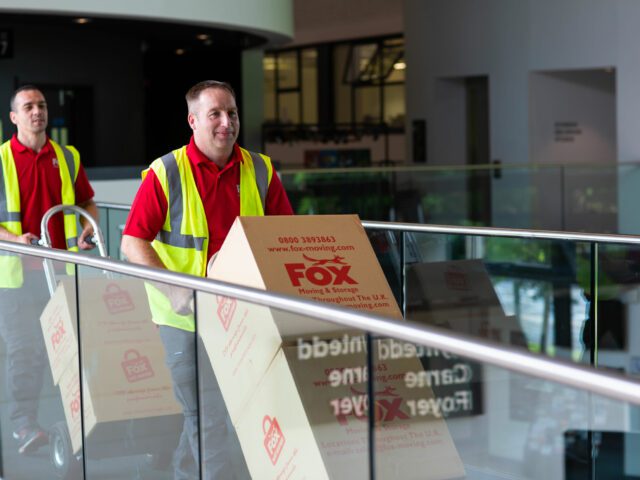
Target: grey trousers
[(26, 357), (180, 351)]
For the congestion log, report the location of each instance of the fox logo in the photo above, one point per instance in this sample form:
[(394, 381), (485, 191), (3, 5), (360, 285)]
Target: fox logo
[(321, 272)]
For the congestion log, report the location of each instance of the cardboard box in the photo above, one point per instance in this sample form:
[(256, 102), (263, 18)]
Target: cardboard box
[(114, 312), (327, 258), (459, 295), (276, 369), (119, 383), (124, 374)]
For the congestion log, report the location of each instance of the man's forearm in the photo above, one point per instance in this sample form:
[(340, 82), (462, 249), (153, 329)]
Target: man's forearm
[(138, 250), (26, 238), (7, 236), (92, 209)]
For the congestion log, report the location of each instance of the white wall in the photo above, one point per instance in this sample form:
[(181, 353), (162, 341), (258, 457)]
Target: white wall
[(331, 20), (583, 97), (116, 191), (509, 39)]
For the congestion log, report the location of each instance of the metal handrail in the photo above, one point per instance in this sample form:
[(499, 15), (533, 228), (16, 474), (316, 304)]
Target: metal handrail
[(504, 232), (577, 376), (475, 231), (114, 206)]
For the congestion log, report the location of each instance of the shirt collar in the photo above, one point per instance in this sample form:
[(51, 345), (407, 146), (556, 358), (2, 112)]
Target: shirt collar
[(198, 158), (17, 147)]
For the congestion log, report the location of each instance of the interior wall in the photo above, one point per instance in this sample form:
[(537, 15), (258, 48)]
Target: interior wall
[(508, 40), (572, 116), (331, 20)]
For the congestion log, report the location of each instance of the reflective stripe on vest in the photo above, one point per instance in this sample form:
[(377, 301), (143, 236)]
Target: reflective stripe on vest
[(183, 241), (10, 263), (10, 217), (68, 167), (175, 200)]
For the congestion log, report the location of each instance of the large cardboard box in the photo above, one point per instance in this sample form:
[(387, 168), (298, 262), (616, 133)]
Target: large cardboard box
[(296, 389), (124, 375), (119, 383), (114, 312), (459, 295)]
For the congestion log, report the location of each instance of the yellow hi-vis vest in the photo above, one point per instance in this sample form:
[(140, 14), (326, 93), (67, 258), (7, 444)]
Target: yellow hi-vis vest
[(10, 216), (183, 241)]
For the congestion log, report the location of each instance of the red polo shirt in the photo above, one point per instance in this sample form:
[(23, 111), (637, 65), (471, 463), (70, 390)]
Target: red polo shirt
[(41, 188), (220, 194)]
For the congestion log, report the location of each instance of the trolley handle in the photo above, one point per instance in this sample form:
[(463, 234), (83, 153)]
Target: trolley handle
[(97, 233), (97, 239), (91, 240)]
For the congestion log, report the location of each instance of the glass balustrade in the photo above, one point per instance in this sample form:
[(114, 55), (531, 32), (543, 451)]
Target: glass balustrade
[(278, 394), (473, 284), (547, 289)]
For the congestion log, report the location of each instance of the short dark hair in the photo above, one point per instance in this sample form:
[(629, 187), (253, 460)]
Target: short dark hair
[(194, 92), (23, 88)]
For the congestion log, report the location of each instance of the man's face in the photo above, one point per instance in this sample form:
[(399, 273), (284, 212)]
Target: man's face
[(214, 120), (29, 113)]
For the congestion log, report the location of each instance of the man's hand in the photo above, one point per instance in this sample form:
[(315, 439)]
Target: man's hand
[(87, 233), (27, 238), (181, 299), (87, 229), (138, 250)]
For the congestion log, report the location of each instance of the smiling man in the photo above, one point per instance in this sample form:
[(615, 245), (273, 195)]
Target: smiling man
[(186, 204)]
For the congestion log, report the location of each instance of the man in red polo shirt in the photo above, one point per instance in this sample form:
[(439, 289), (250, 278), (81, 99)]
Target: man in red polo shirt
[(35, 171), (198, 190)]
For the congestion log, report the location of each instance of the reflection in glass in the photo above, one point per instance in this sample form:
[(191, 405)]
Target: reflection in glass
[(295, 388), (529, 293), (30, 403), (447, 412), (129, 398), (362, 66)]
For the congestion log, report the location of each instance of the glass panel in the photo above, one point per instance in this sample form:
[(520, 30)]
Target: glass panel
[(394, 64), (527, 293), (451, 417), (288, 70), (367, 105), (394, 106), (38, 360), (614, 331), (112, 222), (289, 107), (295, 388), (342, 90), (362, 66), (269, 69), (133, 374), (310, 85)]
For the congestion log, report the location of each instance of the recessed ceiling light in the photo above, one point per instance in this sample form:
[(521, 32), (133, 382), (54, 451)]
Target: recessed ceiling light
[(203, 36), (399, 65), (180, 51), (81, 20)]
